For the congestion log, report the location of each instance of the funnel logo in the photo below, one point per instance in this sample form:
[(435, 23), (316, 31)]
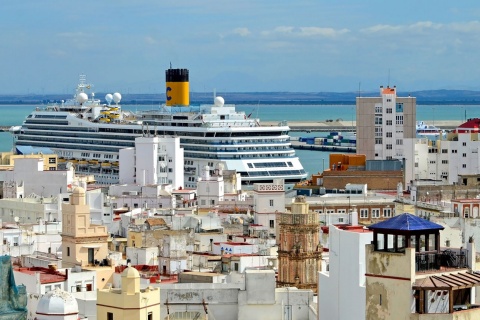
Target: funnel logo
[(168, 96)]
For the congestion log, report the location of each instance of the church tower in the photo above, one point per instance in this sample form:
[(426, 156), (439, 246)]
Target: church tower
[(299, 251), (83, 243)]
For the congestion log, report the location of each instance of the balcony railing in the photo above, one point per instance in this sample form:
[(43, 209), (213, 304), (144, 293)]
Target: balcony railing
[(425, 261)]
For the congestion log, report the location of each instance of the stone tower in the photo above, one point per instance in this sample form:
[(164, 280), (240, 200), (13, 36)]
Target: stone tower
[(299, 251)]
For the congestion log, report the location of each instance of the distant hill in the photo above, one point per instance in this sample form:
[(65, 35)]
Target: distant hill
[(423, 97)]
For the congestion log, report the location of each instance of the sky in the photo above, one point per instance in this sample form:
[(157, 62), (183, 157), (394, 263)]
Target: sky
[(239, 46)]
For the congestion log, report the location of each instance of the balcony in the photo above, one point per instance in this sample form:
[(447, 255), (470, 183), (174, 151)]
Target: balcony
[(446, 259)]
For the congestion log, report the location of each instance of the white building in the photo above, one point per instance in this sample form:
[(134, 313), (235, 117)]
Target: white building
[(154, 160), (141, 196), (344, 278), (210, 188), (248, 295), (448, 158), (234, 248), (30, 175), (268, 201), (386, 128)]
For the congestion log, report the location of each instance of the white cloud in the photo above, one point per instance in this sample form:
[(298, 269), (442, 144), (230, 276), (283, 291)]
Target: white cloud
[(150, 40), (243, 32), (305, 31)]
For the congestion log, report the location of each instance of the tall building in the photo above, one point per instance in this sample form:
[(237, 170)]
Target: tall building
[(299, 250), (386, 129), (129, 301), (154, 160)]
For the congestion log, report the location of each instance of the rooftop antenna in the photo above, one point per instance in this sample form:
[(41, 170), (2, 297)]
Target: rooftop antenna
[(170, 64), (359, 91), (388, 77)]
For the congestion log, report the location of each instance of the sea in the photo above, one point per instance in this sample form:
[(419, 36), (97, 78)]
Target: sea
[(313, 161)]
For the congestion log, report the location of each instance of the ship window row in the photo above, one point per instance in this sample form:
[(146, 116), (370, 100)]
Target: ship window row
[(229, 150), (235, 142), (73, 140), (93, 135), (237, 156), (33, 126), (69, 146), (270, 164), (50, 116), (272, 173), (58, 123)]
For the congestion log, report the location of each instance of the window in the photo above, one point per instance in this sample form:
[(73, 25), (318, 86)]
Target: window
[(51, 160), (464, 165), (110, 315), (464, 144), (399, 119), (378, 141), (375, 213), (389, 135), (454, 151), (444, 150), (378, 109), (389, 110), (272, 223), (68, 251), (378, 120), (389, 122), (464, 155), (363, 213), (389, 147), (150, 316), (271, 202), (399, 142), (387, 212)]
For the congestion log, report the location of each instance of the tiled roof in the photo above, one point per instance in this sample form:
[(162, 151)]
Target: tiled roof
[(447, 281), (406, 222)]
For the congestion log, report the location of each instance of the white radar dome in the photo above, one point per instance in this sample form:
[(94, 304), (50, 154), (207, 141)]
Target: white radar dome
[(219, 101), (109, 98), (82, 97), (117, 97)]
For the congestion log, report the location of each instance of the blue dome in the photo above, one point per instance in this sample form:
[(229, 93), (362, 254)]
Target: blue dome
[(406, 222)]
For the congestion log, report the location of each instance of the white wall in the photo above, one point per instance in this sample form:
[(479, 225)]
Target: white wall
[(344, 283)]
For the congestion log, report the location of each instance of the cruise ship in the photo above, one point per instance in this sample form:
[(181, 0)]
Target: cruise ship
[(89, 134)]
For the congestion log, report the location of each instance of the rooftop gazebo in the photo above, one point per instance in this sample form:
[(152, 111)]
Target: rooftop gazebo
[(406, 231)]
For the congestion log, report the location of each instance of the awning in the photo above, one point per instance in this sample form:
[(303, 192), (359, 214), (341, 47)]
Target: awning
[(92, 245), (453, 281)]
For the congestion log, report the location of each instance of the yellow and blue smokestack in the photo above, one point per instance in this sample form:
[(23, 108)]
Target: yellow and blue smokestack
[(177, 87)]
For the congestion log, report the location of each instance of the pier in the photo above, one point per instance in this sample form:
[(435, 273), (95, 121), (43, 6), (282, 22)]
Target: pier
[(321, 147), (350, 126), (328, 126)]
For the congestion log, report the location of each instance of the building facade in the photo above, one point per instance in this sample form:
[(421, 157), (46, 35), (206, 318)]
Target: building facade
[(386, 128)]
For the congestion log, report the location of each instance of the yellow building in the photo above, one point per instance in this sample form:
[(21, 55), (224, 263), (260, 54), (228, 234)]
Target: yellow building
[(129, 302), (7, 160), (84, 244)]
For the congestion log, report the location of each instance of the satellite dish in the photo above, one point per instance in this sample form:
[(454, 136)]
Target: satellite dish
[(117, 97), (109, 98), (82, 97), (16, 219), (219, 101), (163, 164)]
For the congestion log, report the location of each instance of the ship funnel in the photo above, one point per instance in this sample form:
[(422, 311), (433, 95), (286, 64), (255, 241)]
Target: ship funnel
[(177, 87)]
